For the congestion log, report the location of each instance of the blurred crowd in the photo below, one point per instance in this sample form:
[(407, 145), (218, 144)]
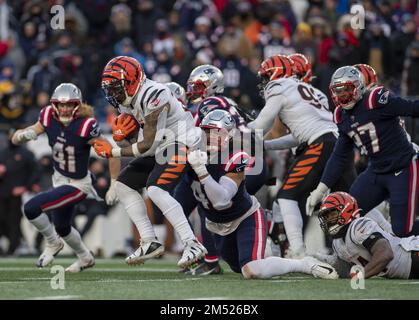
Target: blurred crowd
[(170, 38)]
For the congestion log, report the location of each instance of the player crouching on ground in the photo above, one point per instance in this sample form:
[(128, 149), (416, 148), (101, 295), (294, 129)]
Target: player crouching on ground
[(363, 242), (71, 131), (235, 217)]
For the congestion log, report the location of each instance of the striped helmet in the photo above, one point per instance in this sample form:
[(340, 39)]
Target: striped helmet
[(122, 77), (273, 68), (337, 210), (370, 76), (302, 67)]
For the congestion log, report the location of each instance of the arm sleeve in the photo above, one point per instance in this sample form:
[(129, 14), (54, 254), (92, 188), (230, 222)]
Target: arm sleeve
[(390, 105), (266, 117), (285, 142), (220, 194), (341, 157)]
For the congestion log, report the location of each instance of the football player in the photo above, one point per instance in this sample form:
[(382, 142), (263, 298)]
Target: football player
[(168, 130), (304, 110), (178, 91), (369, 120), (231, 212), (361, 241), (71, 130)]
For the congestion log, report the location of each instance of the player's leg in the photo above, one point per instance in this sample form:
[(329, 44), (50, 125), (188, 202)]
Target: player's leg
[(62, 218), (368, 191), (251, 241), (34, 210), (132, 179), (166, 174), (303, 177), (403, 186)]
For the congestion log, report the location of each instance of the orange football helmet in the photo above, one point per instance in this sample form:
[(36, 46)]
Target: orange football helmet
[(273, 68), (122, 77), (302, 67), (337, 210), (369, 74)]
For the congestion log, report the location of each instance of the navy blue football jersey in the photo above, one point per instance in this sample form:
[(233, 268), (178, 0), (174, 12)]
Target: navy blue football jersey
[(241, 202), (373, 126), (69, 144)]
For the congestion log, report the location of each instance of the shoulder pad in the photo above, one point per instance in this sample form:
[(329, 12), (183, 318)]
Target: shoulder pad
[(155, 97), (377, 98), (277, 87), (361, 229), (89, 128), (45, 116), (237, 162)]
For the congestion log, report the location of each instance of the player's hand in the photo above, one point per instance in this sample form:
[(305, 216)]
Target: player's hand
[(27, 135), (315, 198), (122, 128), (103, 148), (198, 159), (111, 197)]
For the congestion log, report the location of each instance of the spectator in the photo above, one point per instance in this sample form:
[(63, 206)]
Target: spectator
[(235, 40), (163, 40), (274, 40), (145, 18), (18, 174), (410, 76), (125, 47), (43, 76)]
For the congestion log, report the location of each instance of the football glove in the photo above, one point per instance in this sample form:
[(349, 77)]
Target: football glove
[(123, 128), (27, 135), (198, 159), (315, 198), (103, 148), (111, 196)]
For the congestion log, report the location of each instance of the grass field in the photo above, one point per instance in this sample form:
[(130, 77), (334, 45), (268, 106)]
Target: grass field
[(159, 279)]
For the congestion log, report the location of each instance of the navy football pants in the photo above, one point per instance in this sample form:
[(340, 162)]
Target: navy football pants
[(60, 202), (401, 188)]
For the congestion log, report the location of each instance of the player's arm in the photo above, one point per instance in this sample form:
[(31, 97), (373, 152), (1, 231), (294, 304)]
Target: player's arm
[(390, 105), (153, 133), (278, 130), (381, 254), (114, 163), (219, 193), (284, 142), (29, 133), (266, 117)]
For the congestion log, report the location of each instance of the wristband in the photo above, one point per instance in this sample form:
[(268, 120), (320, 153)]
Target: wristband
[(135, 150), (116, 152)]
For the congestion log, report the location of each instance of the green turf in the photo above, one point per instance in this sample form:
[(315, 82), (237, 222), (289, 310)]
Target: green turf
[(159, 279)]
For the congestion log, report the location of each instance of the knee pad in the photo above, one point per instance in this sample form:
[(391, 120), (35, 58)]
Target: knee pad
[(63, 231), (31, 209), (126, 195)]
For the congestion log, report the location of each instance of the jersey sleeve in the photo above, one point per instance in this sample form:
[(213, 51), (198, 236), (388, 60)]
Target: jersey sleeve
[(275, 88), (45, 116), (89, 129), (156, 99), (237, 162), (341, 156), (390, 105), (365, 232)]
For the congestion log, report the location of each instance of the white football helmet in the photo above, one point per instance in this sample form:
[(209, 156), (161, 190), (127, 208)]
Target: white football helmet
[(347, 87), (66, 100), (204, 81)]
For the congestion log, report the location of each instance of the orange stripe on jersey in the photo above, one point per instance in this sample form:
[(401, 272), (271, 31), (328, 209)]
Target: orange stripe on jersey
[(293, 180), (289, 186), (315, 149), (176, 167), (163, 181), (300, 171), (307, 161), (169, 175)]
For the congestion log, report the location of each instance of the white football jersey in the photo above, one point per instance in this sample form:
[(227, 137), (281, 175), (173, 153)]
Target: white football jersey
[(351, 247), (179, 123), (305, 111)]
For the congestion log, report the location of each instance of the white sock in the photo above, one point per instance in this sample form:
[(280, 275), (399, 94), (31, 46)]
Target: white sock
[(45, 227), (378, 217), (73, 239), (173, 212), (293, 223), (137, 211), (276, 212), (274, 266)]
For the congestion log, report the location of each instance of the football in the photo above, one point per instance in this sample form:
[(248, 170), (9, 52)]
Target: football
[(122, 117)]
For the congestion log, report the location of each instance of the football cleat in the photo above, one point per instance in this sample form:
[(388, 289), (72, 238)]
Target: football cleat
[(205, 268), (320, 269), (145, 251), (50, 251), (193, 252), (81, 264)]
